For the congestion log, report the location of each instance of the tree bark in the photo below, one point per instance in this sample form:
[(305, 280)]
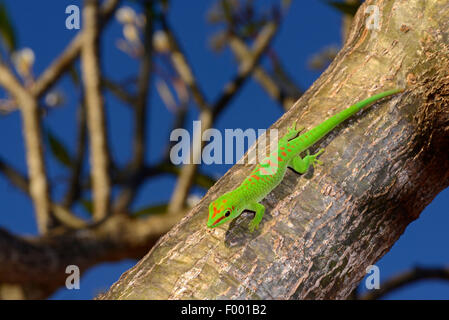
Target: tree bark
[(322, 229)]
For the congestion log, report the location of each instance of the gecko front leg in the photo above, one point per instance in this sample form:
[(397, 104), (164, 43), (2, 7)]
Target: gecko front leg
[(291, 133), (259, 209)]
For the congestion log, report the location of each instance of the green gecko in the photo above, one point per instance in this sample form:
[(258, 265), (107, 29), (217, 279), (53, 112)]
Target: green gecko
[(271, 170)]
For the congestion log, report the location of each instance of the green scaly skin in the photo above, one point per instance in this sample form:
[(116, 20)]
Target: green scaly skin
[(270, 172)]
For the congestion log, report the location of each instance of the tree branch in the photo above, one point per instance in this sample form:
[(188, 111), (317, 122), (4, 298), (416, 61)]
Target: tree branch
[(188, 171), (404, 279), (140, 114), (95, 112), (71, 52), (183, 68), (119, 92), (61, 213), (74, 189), (321, 230), (34, 149), (41, 262), (276, 92), (246, 66)]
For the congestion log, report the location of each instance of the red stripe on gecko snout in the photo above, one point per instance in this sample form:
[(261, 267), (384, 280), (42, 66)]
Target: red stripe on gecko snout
[(218, 220)]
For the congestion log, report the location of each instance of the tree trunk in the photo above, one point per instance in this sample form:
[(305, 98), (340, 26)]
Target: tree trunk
[(322, 229)]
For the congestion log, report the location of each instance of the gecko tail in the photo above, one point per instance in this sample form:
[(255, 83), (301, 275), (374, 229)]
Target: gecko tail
[(315, 134)]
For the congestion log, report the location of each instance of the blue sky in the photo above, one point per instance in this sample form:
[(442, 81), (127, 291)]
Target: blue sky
[(308, 28)]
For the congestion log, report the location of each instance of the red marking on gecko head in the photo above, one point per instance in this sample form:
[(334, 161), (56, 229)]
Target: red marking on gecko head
[(218, 220), (214, 208)]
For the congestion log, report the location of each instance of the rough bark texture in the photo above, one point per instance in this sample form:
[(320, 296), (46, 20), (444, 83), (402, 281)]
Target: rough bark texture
[(321, 230)]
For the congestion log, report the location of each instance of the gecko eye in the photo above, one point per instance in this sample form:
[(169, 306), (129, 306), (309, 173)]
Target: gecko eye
[(227, 214)]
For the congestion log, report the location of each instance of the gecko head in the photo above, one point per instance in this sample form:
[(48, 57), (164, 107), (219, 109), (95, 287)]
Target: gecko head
[(222, 210)]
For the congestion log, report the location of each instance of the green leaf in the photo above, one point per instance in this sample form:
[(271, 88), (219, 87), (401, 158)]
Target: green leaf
[(58, 150), (6, 28), (87, 205), (227, 10), (343, 7), (154, 209), (74, 75)]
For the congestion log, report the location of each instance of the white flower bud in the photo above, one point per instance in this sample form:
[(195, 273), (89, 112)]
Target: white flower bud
[(126, 15), (131, 33), (54, 98), (23, 61), (161, 42)]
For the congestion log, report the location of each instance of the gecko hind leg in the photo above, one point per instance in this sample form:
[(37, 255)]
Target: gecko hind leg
[(301, 165)]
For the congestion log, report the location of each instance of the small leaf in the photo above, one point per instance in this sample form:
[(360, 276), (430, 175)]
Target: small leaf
[(227, 10), (6, 28), (74, 75), (87, 205), (344, 7), (161, 208), (59, 150)]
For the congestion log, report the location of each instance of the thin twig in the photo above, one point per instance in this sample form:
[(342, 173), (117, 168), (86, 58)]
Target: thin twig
[(74, 189), (99, 155), (406, 278), (14, 176), (119, 92), (188, 171), (61, 213), (275, 91), (140, 116), (246, 66), (143, 81), (183, 68), (70, 53), (33, 144)]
